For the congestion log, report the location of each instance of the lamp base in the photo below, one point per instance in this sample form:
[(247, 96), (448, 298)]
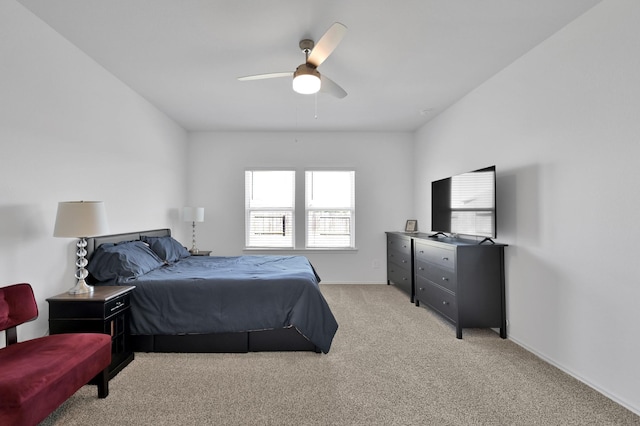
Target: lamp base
[(81, 287)]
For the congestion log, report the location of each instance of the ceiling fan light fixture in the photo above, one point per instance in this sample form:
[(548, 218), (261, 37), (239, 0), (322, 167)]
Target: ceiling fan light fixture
[(306, 80)]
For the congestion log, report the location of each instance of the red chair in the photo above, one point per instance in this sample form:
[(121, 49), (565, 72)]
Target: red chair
[(38, 375)]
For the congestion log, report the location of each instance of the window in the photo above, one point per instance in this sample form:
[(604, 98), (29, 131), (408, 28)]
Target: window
[(330, 209), (269, 208)]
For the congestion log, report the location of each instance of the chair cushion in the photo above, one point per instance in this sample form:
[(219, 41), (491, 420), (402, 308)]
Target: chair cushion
[(38, 375)]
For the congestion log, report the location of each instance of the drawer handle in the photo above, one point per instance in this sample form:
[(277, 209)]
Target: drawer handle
[(421, 289), (420, 268), (421, 251), (404, 246), (404, 261), (445, 279), (445, 258), (404, 278), (118, 306), (444, 302)]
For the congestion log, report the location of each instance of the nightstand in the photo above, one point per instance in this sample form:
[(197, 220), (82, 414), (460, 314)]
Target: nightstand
[(106, 310), (200, 253)]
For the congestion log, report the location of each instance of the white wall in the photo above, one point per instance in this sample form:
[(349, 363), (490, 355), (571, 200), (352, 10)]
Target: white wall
[(69, 131), (383, 164), (562, 125)]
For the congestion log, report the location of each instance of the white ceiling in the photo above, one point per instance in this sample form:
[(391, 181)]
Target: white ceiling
[(401, 62)]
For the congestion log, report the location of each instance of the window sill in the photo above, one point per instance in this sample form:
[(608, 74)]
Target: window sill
[(298, 250)]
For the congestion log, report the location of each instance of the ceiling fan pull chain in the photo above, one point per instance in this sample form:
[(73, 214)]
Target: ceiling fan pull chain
[(316, 102)]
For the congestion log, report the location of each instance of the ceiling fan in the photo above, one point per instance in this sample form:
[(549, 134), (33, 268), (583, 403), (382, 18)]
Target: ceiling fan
[(306, 78)]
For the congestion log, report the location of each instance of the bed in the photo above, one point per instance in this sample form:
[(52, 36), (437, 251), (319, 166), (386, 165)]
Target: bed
[(185, 303)]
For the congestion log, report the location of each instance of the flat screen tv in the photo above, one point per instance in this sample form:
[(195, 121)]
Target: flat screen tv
[(465, 204)]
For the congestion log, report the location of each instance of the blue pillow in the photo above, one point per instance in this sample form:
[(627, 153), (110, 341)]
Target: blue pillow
[(122, 261), (167, 248)]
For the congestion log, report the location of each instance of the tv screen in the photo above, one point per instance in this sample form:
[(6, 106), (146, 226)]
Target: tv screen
[(465, 203)]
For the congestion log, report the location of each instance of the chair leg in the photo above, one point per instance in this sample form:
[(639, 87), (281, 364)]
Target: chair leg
[(102, 380)]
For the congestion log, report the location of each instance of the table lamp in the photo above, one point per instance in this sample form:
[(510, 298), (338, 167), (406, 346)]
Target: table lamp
[(193, 215)]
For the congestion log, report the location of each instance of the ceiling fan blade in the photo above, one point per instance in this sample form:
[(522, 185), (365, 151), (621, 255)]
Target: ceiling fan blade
[(327, 43), (329, 86), (264, 76)]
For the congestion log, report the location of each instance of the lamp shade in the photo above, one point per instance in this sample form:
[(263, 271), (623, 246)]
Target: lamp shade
[(193, 214), (77, 219)]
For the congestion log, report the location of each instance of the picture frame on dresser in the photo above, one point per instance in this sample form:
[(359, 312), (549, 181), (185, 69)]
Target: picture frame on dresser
[(411, 226)]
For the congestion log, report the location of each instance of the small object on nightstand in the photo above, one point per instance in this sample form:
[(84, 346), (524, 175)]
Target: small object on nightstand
[(200, 252), (105, 310)]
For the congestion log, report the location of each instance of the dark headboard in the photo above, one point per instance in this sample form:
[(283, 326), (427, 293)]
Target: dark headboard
[(94, 242)]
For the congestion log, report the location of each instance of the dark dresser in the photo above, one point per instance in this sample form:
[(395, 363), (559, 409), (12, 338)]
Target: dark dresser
[(462, 280), (399, 262)]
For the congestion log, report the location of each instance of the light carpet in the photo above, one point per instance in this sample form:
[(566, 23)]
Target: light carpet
[(391, 363)]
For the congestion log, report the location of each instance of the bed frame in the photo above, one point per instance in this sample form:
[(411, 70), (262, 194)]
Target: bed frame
[(285, 339)]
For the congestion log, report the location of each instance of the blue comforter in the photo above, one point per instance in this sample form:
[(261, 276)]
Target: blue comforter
[(202, 294)]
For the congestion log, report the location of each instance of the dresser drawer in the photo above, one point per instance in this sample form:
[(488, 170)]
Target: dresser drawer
[(442, 276), (400, 258), (116, 305), (437, 298), (399, 275), (442, 256), (399, 244)]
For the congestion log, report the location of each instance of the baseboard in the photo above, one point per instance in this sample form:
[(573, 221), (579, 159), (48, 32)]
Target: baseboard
[(354, 282), (615, 398)]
